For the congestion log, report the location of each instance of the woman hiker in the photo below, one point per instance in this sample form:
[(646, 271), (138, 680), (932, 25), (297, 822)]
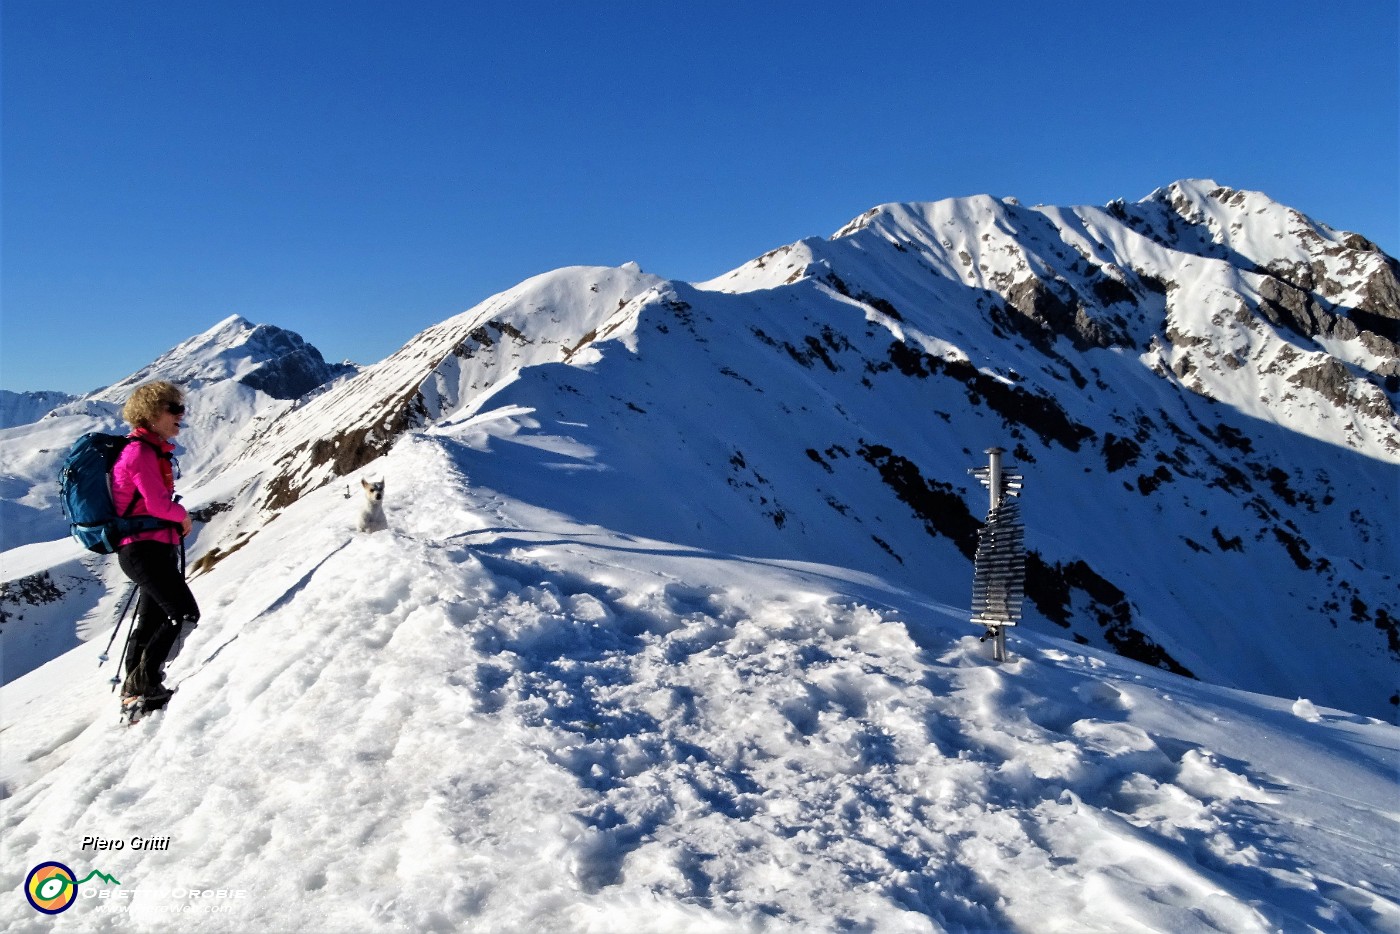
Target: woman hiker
[(145, 473)]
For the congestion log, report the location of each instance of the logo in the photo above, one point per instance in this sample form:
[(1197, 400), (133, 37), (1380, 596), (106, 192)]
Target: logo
[(52, 887)]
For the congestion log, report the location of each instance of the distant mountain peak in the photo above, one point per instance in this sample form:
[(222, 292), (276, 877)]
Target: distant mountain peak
[(234, 373), (234, 322), (21, 408), (270, 359)]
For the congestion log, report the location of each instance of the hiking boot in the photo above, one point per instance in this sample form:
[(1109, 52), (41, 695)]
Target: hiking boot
[(136, 682), (157, 696), (136, 706)]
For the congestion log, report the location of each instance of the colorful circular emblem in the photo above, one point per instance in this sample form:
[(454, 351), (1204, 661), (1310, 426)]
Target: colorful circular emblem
[(51, 888)]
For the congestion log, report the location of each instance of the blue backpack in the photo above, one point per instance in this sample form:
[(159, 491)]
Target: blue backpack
[(85, 492)]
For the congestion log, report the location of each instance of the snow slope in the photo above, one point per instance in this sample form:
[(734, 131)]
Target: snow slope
[(494, 717)]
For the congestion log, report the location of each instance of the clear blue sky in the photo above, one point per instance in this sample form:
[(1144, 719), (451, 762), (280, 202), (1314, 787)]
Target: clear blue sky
[(357, 170)]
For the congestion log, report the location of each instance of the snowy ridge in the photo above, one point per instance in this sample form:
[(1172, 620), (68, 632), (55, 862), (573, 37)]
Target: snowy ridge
[(460, 362), (21, 408), (494, 717)]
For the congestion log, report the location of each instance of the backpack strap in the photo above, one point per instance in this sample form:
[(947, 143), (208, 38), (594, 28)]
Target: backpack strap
[(131, 507), (160, 452)]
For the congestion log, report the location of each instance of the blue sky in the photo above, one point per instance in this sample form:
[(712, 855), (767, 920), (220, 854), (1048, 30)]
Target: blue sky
[(357, 170)]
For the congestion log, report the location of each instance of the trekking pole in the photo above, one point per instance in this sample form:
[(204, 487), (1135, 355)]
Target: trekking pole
[(131, 592), (121, 614), (126, 646)]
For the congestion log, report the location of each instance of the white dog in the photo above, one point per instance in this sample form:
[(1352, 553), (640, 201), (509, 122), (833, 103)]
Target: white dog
[(372, 512)]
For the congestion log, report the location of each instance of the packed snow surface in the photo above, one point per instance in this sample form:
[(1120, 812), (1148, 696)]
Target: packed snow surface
[(494, 717)]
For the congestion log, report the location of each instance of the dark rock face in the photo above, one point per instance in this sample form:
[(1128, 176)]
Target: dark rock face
[(1055, 309), (35, 590), (937, 505), (295, 368)]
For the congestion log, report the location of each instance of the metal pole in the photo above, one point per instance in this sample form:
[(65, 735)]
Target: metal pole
[(994, 486), (994, 475)]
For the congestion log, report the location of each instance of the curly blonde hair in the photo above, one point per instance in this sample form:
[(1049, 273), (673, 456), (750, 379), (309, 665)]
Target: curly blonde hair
[(148, 402)]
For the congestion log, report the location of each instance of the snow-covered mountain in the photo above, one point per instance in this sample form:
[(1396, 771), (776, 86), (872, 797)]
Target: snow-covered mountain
[(1200, 389), (237, 374), (21, 408), (669, 630)]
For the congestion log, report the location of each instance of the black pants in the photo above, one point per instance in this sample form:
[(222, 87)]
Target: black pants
[(165, 608)]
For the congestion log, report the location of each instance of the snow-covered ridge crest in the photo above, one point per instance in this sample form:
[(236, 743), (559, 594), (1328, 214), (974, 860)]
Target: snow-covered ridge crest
[(450, 369), (1242, 299)]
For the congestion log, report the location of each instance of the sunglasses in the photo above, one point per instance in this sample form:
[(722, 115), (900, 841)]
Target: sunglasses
[(174, 408)]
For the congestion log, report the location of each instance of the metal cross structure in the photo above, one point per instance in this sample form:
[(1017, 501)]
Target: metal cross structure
[(999, 575)]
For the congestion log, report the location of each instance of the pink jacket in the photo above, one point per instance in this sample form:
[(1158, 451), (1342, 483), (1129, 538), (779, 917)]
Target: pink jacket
[(139, 469)]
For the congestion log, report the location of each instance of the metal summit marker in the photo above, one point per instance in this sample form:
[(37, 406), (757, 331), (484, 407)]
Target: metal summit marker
[(999, 575)]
